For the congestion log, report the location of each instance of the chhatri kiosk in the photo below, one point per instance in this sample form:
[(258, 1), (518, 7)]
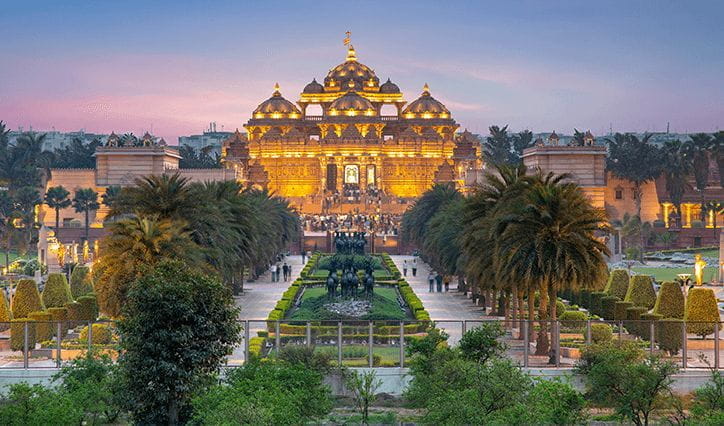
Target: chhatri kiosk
[(364, 138)]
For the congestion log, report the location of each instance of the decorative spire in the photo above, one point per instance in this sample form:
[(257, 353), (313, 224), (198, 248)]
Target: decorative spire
[(351, 54), (276, 90), (425, 90)]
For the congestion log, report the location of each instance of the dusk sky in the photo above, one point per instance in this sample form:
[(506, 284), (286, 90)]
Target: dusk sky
[(171, 67)]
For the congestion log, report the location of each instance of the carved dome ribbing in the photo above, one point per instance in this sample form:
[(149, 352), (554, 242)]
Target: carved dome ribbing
[(277, 105), (314, 87), (389, 87), (426, 104), (362, 75)]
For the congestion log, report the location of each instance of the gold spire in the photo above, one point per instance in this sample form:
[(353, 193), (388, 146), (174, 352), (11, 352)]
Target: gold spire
[(351, 54), (276, 90), (425, 89)]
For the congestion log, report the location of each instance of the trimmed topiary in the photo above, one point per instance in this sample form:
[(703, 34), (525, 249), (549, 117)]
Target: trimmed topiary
[(80, 281), (633, 317), (646, 326), (573, 319), (595, 305), (669, 335), (641, 292), (608, 307), (59, 315), (560, 307), (5, 314), (619, 313), (26, 299), (601, 333), (57, 291), (670, 301), (585, 300), (88, 308), (617, 284), (74, 314), (701, 311), (43, 325), (17, 334), (102, 334)]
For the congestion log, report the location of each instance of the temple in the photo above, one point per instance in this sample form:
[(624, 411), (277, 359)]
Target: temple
[(367, 140)]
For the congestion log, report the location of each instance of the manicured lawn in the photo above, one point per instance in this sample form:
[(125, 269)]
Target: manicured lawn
[(669, 274), (384, 306), (356, 355)]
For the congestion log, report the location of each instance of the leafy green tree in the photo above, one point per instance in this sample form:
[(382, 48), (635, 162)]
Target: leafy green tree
[(624, 160), (698, 150), (26, 198), (441, 244), (483, 342), (520, 142), (364, 391), (201, 159), (417, 217), (177, 328), (497, 148), (85, 201), (56, 198), (7, 214), (76, 155), (676, 167)]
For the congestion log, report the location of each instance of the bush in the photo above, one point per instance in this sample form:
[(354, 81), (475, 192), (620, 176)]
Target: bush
[(483, 342), (88, 308), (56, 292), (701, 311), (555, 403), (26, 299), (645, 328), (43, 325), (74, 314), (5, 314), (641, 292), (633, 317), (102, 334), (617, 284), (17, 334), (80, 281), (608, 307), (669, 334), (59, 315), (560, 307), (601, 333), (585, 299), (573, 319), (595, 304), (620, 307), (670, 301)]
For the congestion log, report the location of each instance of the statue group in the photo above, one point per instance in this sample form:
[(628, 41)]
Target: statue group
[(349, 282), (350, 242)]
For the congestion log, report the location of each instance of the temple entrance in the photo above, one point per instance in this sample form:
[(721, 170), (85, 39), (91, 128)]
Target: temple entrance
[(351, 174), (331, 177)]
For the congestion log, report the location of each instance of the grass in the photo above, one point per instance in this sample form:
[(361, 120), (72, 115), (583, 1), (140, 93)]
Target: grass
[(356, 355), (384, 306), (669, 274), (14, 256)]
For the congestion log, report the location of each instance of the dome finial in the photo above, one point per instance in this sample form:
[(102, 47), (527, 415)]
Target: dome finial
[(276, 89), (351, 54), (425, 89)]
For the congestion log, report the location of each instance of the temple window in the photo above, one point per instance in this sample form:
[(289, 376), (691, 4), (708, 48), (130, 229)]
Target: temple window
[(619, 194)]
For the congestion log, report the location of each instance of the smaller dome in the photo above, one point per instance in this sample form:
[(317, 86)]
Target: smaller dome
[(277, 107), (426, 107), (313, 87), (351, 104), (389, 87)]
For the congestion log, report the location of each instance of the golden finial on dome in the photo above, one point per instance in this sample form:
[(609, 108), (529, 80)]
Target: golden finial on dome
[(425, 89), (351, 54), (276, 90)]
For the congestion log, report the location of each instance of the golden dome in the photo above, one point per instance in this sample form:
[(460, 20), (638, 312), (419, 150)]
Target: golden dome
[(277, 107), (313, 87), (389, 87), (351, 104), (362, 75), (426, 107)]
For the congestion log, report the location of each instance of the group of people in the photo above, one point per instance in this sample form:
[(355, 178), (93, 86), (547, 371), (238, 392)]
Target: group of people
[(285, 270), (437, 281), (385, 224)]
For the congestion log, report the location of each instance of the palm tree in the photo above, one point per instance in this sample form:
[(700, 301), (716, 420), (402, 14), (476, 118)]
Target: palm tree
[(551, 241), (57, 198), (7, 214), (168, 196), (717, 150), (676, 170), (414, 222), (697, 149), (26, 199), (626, 152), (132, 245), (497, 146), (85, 201)]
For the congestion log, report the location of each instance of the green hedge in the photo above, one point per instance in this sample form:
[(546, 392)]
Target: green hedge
[(74, 314), (601, 333), (641, 291), (59, 314), (573, 319), (57, 291), (608, 307), (617, 284), (17, 334), (595, 303), (585, 299), (670, 301), (5, 313), (80, 281), (88, 308), (632, 323), (619, 313), (701, 306), (668, 334), (102, 334), (646, 327), (43, 325), (26, 299)]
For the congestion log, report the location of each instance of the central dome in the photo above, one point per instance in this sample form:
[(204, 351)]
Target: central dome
[(351, 104), (276, 107), (360, 74)]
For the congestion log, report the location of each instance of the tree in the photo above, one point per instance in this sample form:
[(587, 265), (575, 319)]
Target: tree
[(677, 167), (76, 155), (85, 201), (57, 198), (697, 149), (7, 214), (717, 150), (364, 391), (521, 141), (111, 198), (497, 147), (177, 328), (416, 218), (624, 161), (26, 198), (201, 159)]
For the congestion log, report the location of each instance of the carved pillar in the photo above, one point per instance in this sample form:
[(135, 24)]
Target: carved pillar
[(340, 174)]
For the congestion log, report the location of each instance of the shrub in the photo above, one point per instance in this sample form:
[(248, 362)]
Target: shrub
[(669, 334), (701, 311), (620, 307), (56, 292), (88, 308), (670, 301), (102, 334), (601, 333), (26, 299), (73, 314), (595, 304), (585, 299), (483, 342), (641, 292), (59, 315), (608, 307), (43, 325), (555, 402), (573, 319), (80, 281), (5, 314), (633, 316), (17, 334), (617, 284), (645, 328), (560, 307)]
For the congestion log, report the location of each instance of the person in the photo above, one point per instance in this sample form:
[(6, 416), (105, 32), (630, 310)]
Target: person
[(285, 271), (273, 270), (304, 255), (447, 282), (438, 281), (414, 267), (289, 272), (431, 281), (404, 267)]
